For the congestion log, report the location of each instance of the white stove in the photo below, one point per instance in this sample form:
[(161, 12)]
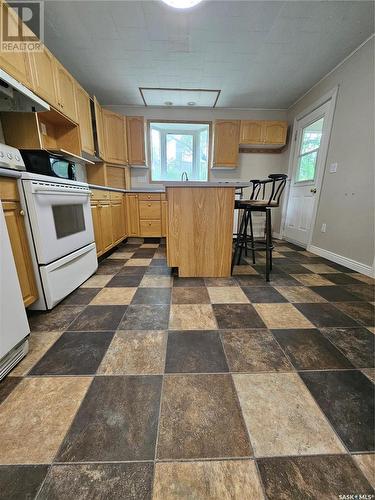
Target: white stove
[(61, 235)]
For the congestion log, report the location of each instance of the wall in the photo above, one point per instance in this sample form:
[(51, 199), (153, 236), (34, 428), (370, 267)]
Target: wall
[(251, 166), (347, 198)]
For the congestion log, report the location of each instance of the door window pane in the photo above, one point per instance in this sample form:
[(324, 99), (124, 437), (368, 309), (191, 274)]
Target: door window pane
[(308, 154)]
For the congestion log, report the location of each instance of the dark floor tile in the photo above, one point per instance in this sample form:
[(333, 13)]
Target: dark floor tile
[(98, 318), (334, 293), (220, 282), (263, 294), (191, 295), (7, 385), (310, 350), (58, 319), (188, 282), (339, 267), (283, 279), (159, 263), (325, 315), (250, 280), (117, 420), (230, 316), (145, 317), (323, 477), (196, 413), (152, 296), (160, 271), (110, 266), (74, 354), (195, 352), (144, 253), (132, 271), (362, 312), (81, 297), (290, 267), (346, 398), (130, 481), (364, 292), (125, 281), (341, 279), (253, 350), (21, 482), (358, 344)]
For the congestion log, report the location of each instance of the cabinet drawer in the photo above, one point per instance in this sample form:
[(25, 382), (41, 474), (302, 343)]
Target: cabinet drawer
[(150, 227), (149, 196), (115, 196), (98, 194), (163, 196), (8, 189), (149, 210)]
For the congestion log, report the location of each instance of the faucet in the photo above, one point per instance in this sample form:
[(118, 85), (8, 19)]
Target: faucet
[(184, 176)]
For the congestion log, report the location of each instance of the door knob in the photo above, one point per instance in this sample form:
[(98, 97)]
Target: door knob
[(22, 212), (313, 190)]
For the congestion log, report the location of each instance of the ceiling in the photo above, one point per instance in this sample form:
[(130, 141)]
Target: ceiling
[(260, 54)]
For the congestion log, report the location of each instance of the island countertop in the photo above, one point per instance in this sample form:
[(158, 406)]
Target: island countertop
[(207, 184)]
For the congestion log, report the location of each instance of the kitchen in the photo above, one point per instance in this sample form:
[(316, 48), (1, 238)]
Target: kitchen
[(172, 251)]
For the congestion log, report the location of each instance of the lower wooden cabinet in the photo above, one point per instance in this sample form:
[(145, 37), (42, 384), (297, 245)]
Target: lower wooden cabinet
[(117, 216), (14, 218), (133, 214)]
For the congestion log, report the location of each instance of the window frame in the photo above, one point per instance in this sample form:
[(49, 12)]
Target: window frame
[(178, 130)]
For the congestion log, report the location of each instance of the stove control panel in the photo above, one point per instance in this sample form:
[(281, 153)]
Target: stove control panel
[(11, 158)]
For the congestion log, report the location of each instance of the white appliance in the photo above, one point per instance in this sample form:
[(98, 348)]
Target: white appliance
[(61, 234), (16, 97), (14, 328)]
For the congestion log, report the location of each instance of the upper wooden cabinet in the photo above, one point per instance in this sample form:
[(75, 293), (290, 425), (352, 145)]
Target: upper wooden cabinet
[(16, 64), (99, 128), (115, 137), (65, 84), (259, 132), (84, 119), (226, 141), (136, 140), (44, 75)]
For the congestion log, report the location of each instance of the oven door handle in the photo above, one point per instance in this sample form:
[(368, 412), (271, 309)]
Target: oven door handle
[(40, 189)]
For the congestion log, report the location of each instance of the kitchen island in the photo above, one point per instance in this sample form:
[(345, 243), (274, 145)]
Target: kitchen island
[(200, 227)]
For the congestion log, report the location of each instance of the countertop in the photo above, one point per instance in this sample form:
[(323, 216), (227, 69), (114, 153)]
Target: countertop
[(229, 184), (133, 190)]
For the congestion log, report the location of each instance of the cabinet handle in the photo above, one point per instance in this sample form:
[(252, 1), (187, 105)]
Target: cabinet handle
[(150, 223), (22, 212), (149, 204)]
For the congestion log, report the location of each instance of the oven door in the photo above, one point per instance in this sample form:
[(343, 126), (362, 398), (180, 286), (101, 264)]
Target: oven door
[(60, 218)]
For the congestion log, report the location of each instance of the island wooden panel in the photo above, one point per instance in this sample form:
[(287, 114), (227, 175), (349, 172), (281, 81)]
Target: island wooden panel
[(199, 235)]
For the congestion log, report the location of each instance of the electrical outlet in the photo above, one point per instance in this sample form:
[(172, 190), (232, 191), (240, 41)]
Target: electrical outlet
[(323, 228), (333, 168)]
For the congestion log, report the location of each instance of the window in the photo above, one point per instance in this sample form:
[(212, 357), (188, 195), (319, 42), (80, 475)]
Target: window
[(309, 148), (178, 148)]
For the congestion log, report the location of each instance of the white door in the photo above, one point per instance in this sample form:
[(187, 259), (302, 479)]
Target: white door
[(308, 165)]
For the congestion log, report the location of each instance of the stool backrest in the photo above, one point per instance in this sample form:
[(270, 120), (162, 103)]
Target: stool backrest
[(269, 189)]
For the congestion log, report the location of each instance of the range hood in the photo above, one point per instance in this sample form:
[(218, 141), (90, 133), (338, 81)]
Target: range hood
[(16, 97)]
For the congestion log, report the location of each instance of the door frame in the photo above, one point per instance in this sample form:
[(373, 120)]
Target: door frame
[(330, 97)]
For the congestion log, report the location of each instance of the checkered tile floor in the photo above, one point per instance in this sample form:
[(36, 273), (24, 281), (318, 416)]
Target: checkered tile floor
[(145, 385)]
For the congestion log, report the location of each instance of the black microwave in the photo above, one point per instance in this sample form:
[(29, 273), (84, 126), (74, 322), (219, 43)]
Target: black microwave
[(46, 163)]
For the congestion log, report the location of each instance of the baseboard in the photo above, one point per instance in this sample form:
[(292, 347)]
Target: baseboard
[(344, 261)]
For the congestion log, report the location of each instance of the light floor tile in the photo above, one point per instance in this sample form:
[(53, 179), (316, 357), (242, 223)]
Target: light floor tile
[(367, 465), (299, 294), (114, 296), (36, 416), (192, 317), (150, 245), (151, 281), (282, 316), (243, 269), (97, 281), (227, 295), (121, 255), (320, 268), (211, 480), (39, 343), (138, 262), (135, 352), (312, 279), (285, 419)]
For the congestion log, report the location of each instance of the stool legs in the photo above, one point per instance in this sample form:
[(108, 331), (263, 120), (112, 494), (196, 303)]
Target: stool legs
[(252, 237)]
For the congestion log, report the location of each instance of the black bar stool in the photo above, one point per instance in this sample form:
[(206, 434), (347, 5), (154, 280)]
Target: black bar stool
[(266, 194)]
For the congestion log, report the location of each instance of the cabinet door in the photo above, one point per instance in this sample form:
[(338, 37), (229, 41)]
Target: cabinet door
[(114, 135), (99, 128), (136, 140), (251, 132), (84, 120), (226, 143), (97, 227), (117, 221), (21, 253), (132, 214), (274, 132), (66, 92), (16, 64), (44, 75), (164, 209), (106, 225)]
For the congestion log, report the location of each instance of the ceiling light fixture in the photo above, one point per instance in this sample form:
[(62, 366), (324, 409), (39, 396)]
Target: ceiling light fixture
[(191, 103), (182, 4), (168, 103)]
